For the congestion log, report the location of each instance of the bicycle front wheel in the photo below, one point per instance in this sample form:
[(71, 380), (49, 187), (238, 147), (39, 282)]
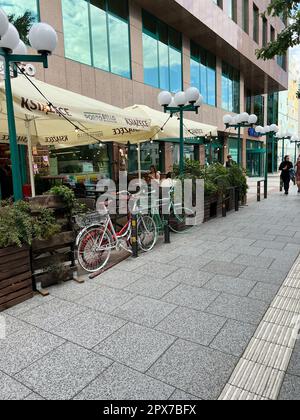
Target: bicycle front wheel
[(94, 249), (147, 233), (182, 219)]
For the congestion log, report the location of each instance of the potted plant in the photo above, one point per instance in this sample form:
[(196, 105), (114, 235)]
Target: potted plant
[(18, 228)]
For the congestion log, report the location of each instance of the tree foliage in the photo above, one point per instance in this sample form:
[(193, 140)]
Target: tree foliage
[(289, 37), (23, 24)]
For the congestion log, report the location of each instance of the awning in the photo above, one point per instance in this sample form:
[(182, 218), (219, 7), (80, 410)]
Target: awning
[(99, 121), (192, 129)]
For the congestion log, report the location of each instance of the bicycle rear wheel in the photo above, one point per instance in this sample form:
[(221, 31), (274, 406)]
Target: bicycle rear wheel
[(182, 220), (147, 233), (94, 249)]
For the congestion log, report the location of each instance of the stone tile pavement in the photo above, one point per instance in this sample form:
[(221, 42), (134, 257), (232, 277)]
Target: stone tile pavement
[(172, 324)]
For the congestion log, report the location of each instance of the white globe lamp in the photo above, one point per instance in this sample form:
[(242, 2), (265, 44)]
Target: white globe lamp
[(180, 99), (20, 49), (199, 102), (227, 119), (164, 98), (43, 38), (10, 39), (259, 129), (192, 95), (252, 119), (3, 23)]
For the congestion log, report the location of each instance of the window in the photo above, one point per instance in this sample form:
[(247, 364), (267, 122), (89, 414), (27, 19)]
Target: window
[(81, 164), (246, 15), (232, 9), (162, 49), (265, 32), (272, 34), (203, 73), (281, 61), (259, 109), (96, 33), (19, 7), (255, 24), (248, 102), (219, 3), (230, 88)]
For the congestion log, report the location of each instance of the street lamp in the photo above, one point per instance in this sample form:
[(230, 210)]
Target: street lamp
[(283, 137), (43, 38), (188, 101), (266, 131), (295, 140), (238, 122)]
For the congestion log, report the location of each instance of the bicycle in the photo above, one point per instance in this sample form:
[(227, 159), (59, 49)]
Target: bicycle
[(98, 237), (179, 218)]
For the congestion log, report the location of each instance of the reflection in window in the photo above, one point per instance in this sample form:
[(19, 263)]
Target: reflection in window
[(76, 30), (162, 47), (82, 163), (230, 88), (150, 155), (203, 73), (97, 33), (19, 7)]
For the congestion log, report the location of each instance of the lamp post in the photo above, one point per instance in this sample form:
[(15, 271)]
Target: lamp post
[(43, 38), (266, 131), (188, 101), (238, 122), (295, 140)]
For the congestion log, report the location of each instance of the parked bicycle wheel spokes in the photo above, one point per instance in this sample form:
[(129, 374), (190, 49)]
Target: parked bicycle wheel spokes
[(94, 249)]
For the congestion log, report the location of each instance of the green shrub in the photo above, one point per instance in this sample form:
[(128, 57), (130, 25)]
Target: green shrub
[(68, 197), (19, 227), (217, 178)]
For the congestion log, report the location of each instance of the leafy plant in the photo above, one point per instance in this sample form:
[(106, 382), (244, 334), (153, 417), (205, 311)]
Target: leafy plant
[(18, 226), (68, 197), (217, 178), (290, 36)]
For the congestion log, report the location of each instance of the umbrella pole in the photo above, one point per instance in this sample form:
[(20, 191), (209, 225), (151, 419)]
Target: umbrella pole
[(139, 163), (30, 160)]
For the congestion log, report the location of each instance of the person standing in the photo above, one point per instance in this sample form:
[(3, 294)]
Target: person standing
[(285, 169), (297, 167), (230, 162)]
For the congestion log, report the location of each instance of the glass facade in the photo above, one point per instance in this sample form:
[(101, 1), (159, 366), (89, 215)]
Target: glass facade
[(162, 52), (203, 73), (19, 7), (230, 88), (150, 155), (259, 109), (96, 33), (83, 164), (255, 158), (235, 149)]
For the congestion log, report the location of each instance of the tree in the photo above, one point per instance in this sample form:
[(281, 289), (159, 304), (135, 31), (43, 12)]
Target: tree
[(289, 11), (23, 24)]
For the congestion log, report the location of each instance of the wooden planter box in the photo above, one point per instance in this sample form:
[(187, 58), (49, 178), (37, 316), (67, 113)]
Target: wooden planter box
[(15, 276), (56, 251), (212, 207)]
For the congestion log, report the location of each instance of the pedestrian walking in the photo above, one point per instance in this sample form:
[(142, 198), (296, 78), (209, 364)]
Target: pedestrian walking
[(286, 167), (297, 168)]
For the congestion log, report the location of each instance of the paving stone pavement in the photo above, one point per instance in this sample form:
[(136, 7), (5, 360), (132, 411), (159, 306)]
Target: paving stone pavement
[(173, 324)]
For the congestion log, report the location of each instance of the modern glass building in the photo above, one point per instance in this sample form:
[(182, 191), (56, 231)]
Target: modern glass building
[(124, 52)]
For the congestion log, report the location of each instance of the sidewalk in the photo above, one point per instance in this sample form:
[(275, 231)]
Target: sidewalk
[(173, 324)]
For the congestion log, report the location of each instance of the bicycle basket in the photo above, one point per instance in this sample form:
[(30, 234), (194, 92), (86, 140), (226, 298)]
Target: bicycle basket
[(89, 219)]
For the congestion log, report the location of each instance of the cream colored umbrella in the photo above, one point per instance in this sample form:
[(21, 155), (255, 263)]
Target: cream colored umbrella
[(48, 115), (93, 121), (171, 126)]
